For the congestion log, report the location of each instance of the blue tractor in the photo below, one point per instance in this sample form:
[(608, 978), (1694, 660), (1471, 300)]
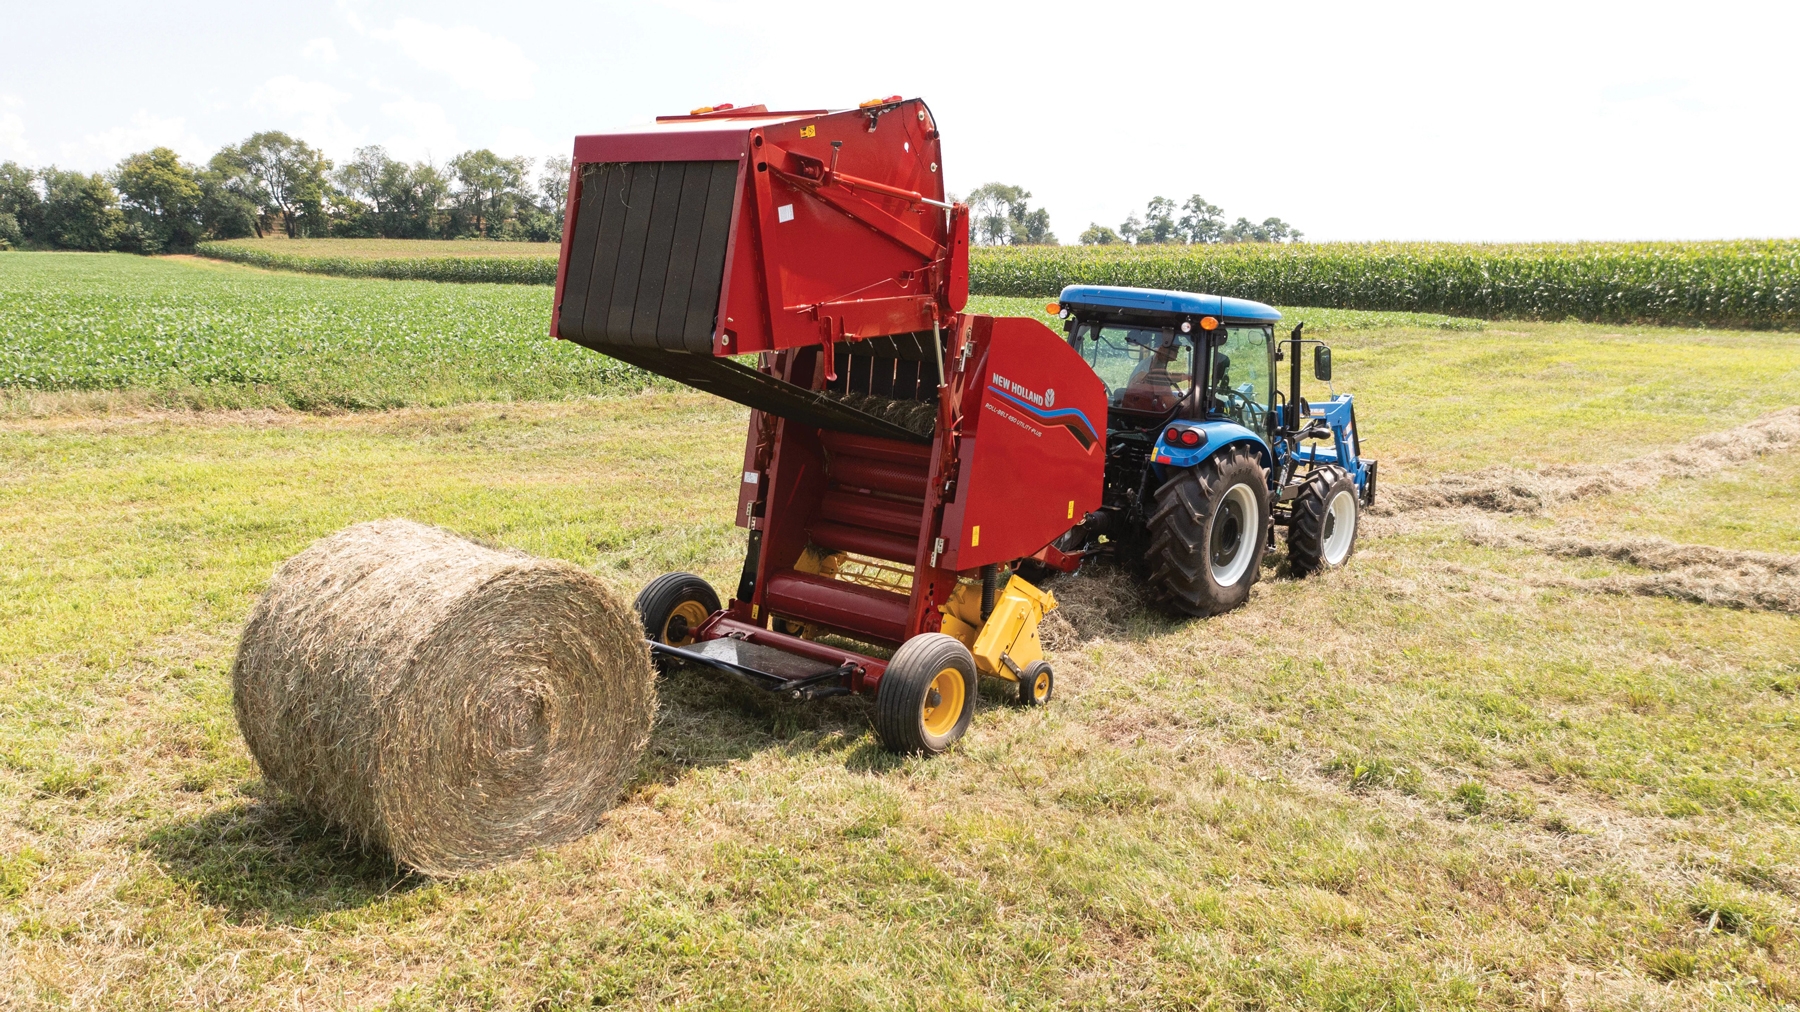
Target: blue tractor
[(1206, 454)]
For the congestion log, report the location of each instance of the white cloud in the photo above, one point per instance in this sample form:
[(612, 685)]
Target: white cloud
[(348, 10), (428, 134), (483, 63), (13, 145), (323, 50), (719, 13), (145, 131), (516, 140), (308, 109)]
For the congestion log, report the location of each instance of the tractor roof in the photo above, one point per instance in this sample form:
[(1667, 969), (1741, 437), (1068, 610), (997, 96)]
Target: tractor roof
[(1156, 300)]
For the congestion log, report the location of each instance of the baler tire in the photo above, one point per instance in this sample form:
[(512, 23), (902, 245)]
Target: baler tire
[(671, 605), (1031, 693), (907, 721), (1182, 529), (1318, 511)]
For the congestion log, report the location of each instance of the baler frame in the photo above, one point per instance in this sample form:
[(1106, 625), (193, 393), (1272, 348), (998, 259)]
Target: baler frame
[(887, 424)]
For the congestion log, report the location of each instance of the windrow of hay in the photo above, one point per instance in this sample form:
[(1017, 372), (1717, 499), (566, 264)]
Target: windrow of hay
[(454, 704), (1719, 576), (1098, 602), (1519, 490)]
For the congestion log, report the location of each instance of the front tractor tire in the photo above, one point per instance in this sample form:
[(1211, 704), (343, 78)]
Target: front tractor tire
[(1322, 534), (1207, 534), (673, 605), (927, 695)]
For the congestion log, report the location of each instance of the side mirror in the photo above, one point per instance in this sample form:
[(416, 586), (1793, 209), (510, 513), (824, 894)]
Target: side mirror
[(1322, 363)]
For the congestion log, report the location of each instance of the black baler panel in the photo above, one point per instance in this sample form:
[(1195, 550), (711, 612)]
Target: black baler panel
[(647, 255)]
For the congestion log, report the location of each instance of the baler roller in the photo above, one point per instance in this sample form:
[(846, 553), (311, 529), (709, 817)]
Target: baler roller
[(864, 541), (851, 607), (894, 479), (887, 451), (895, 516)]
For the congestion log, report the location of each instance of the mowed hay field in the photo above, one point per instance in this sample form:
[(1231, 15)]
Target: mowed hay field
[(1508, 758)]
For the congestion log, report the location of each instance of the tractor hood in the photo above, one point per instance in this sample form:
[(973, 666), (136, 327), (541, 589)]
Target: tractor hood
[(1114, 299)]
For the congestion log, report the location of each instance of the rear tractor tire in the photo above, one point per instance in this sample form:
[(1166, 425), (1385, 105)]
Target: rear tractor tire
[(1208, 533), (673, 605), (1322, 534), (927, 695)]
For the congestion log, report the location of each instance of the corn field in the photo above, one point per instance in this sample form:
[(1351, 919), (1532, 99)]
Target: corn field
[(1748, 284), (507, 270), (1725, 284)]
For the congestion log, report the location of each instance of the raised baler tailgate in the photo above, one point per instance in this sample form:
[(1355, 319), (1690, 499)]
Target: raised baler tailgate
[(723, 236), (647, 255), (693, 242), (1033, 454)]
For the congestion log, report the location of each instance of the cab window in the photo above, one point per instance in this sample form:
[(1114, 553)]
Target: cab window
[(1144, 369), (1241, 374)]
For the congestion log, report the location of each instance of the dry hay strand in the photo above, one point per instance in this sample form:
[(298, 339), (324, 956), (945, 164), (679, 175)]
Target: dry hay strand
[(917, 416), (1503, 489), (1759, 581), (1096, 602), (452, 703)]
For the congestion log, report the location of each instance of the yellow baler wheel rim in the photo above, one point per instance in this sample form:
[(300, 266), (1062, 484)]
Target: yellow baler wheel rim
[(1040, 686), (694, 612), (939, 718)]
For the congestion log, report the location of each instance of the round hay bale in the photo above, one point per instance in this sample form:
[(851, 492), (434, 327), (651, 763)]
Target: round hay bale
[(452, 703)]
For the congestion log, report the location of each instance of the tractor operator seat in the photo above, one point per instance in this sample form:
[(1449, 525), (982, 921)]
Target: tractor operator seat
[(1161, 379)]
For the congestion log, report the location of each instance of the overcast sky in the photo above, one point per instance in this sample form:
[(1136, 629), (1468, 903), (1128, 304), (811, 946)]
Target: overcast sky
[(1463, 121)]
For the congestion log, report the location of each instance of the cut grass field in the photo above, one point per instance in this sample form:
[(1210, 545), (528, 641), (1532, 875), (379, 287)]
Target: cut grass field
[(1460, 773)]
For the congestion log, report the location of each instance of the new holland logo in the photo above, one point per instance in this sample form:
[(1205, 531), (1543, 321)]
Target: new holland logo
[(1043, 408)]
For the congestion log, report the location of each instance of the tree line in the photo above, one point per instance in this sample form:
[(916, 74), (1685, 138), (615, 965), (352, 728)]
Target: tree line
[(154, 201), (1001, 215), (1195, 221)]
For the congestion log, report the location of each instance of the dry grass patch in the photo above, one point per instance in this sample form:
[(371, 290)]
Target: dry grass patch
[(1451, 775)]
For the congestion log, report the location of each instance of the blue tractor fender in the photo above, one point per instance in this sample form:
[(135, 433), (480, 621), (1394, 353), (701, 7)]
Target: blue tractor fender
[(1214, 436)]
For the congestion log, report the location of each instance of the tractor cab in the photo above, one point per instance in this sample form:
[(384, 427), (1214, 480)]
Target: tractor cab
[(1206, 453), (1167, 356)]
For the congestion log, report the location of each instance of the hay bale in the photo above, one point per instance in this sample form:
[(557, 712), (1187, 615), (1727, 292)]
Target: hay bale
[(454, 704)]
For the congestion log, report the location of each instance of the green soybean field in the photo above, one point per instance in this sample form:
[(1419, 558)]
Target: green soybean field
[(200, 334)]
